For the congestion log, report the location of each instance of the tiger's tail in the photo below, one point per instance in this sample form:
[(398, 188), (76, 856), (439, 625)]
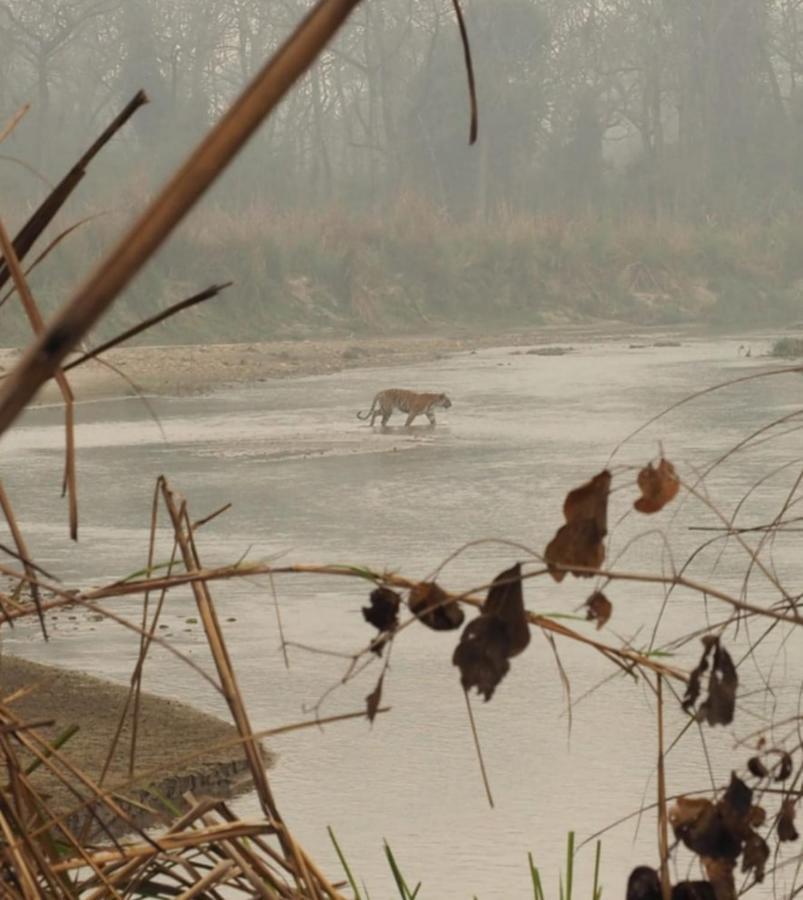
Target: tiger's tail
[(367, 414)]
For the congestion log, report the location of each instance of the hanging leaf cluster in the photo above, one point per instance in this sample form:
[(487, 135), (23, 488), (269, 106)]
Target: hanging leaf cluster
[(719, 705), (719, 833), (500, 632)]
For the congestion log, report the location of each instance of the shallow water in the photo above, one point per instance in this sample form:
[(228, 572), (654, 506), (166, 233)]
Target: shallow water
[(309, 483)]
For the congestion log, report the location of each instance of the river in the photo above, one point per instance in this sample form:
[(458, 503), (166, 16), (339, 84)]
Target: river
[(309, 483)]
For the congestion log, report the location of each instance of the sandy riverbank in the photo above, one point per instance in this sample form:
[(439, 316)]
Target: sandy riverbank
[(199, 368), (169, 732)]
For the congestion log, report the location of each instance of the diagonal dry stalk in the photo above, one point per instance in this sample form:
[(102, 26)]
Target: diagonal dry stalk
[(70, 486), (182, 526), (22, 550), (12, 123), (50, 206), (170, 206)]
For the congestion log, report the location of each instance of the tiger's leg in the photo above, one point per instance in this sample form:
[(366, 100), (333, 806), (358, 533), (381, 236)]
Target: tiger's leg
[(431, 417), (377, 412), (409, 421), (386, 416)]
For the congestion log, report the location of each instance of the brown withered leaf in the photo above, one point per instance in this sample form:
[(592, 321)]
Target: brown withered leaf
[(658, 484), (580, 541), (784, 767), (598, 607), (383, 614), (505, 602), (693, 890), (719, 705), (756, 767), (737, 800), (720, 873), (480, 656), (373, 699), (702, 828), (755, 854), (786, 821), (758, 816), (716, 830), (499, 632), (643, 884), (430, 604)]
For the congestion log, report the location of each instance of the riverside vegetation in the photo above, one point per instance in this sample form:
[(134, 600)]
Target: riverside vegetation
[(413, 268)]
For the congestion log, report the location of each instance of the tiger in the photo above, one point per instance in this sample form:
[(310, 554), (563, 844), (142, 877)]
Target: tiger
[(410, 402)]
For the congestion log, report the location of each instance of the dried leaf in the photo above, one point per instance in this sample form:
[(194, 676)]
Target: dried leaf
[(373, 699), (643, 884), (599, 607), (737, 799), (758, 816), (432, 606), (693, 890), (702, 828), (719, 705), (505, 601), (580, 541), (755, 855), (784, 767), (720, 874), (480, 655), (383, 614), (786, 821), (658, 486), (499, 632), (756, 767)]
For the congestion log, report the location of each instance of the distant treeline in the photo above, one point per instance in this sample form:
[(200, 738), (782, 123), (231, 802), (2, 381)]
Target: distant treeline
[(687, 109), (411, 268)]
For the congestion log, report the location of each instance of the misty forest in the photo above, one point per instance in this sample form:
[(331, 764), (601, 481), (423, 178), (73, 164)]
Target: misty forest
[(400, 471)]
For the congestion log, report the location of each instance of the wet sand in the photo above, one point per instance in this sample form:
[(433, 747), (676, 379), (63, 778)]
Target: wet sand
[(199, 368), (168, 732)]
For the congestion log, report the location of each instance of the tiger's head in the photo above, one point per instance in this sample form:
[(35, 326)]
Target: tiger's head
[(444, 401)]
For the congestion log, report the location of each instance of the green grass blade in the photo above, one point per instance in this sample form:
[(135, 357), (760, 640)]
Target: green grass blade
[(404, 891), (535, 875), (342, 858), (56, 744), (597, 892), (569, 865)]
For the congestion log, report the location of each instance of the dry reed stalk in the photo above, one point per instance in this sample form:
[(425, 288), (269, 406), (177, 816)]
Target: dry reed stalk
[(206, 294), (25, 557), (12, 123), (46, 252), (52, 759), (38, 326), (178, 196), (215, 876), (183, 530), (663, 828), (178, 841)]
